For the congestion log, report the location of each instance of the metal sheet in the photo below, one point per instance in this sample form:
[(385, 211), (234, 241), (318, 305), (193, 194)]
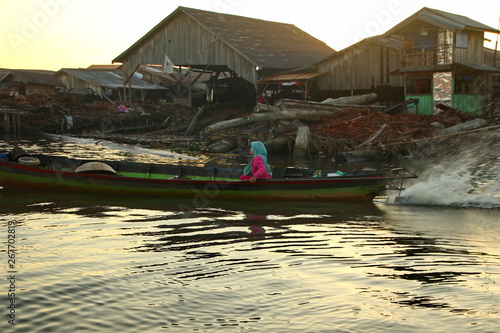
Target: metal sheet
[(291, 77), (442, 83), (445, 47)]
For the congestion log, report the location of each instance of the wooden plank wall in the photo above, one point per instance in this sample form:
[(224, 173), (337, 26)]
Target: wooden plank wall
[(185, 42), (74, 82), (360, 68), (474, 52)]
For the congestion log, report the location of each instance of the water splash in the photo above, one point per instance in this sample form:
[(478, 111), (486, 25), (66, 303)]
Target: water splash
[(462, 172)]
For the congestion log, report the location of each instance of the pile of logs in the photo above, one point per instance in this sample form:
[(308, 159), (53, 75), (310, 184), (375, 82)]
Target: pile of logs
[(285, 126), (290, 126), (329, 127)]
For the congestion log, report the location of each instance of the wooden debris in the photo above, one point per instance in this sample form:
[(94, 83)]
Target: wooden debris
[(312, 127), (288, 104), (195, 120), (313, 116), (374, 136), (352, 100), (301, 148), (468, 125)]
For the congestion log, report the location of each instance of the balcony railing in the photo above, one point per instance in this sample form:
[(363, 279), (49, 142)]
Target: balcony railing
[(430, 55)]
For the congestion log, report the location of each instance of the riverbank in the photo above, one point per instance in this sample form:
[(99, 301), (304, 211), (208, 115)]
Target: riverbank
[(309, 129)]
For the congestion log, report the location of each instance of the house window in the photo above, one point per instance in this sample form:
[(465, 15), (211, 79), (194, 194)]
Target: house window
[(461, 39), (418, 85), (464, 84)]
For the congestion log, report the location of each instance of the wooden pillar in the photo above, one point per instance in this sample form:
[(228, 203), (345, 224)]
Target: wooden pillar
[(15, 123), (11, 121), (6, 124)]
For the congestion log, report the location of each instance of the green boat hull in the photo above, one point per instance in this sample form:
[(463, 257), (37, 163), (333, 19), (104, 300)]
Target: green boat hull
[(221, 184)]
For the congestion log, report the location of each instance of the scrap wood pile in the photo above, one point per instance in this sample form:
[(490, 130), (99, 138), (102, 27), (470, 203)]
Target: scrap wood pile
[(327, 128), (68, 114), (357, 128), (321, 128)]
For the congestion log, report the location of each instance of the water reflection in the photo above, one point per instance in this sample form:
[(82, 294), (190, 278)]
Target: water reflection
[(256, 265)]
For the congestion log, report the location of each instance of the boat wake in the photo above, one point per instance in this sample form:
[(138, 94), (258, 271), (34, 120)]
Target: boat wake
[(461, 173)]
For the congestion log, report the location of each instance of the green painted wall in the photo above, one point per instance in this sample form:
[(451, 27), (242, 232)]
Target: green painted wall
[(467, 103), (425, 103)]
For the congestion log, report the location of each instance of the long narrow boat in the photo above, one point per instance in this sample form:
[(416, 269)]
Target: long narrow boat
[(58, 173)]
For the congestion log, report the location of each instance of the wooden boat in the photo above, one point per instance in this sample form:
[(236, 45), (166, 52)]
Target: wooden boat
[(56, 173)]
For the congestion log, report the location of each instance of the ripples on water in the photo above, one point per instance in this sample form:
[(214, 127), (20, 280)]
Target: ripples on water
[(101, 264)]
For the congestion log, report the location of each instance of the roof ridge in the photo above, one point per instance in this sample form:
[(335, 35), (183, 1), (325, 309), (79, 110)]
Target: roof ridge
[(235, 15)]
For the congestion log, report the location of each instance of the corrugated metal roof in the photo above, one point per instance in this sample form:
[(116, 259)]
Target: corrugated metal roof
[(478, 67), (34, 77), (104, 67), (291, 77), (455, 65), (265, 43), (180, 74), (442, 19), (107, 79)]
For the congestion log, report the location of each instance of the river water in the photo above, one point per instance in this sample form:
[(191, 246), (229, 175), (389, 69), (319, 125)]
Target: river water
[(110, 264)]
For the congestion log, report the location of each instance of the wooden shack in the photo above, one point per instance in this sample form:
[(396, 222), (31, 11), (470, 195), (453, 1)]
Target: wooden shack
[(251, 48), (28, 82), (105, 84), (442, 61), (362, 68), (433, 58)]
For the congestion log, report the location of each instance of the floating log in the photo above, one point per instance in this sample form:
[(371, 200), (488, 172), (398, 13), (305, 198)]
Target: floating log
[(313, 116), (260, 107), (287, 104), (226, 124), (352, 100), (301, 105), (223, 146), (467, 126)]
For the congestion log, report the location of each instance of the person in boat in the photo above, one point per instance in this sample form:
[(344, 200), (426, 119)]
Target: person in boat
[(258, 168)]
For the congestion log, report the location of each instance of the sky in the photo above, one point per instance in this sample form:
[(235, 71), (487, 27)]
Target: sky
[(55, 34)]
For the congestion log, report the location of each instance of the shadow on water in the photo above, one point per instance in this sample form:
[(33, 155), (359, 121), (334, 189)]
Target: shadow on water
[(17, 199)]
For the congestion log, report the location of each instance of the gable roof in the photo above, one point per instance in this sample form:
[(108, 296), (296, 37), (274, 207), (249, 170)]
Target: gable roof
[(444, 20), (387, 42), (264, 43), (34, 77)]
